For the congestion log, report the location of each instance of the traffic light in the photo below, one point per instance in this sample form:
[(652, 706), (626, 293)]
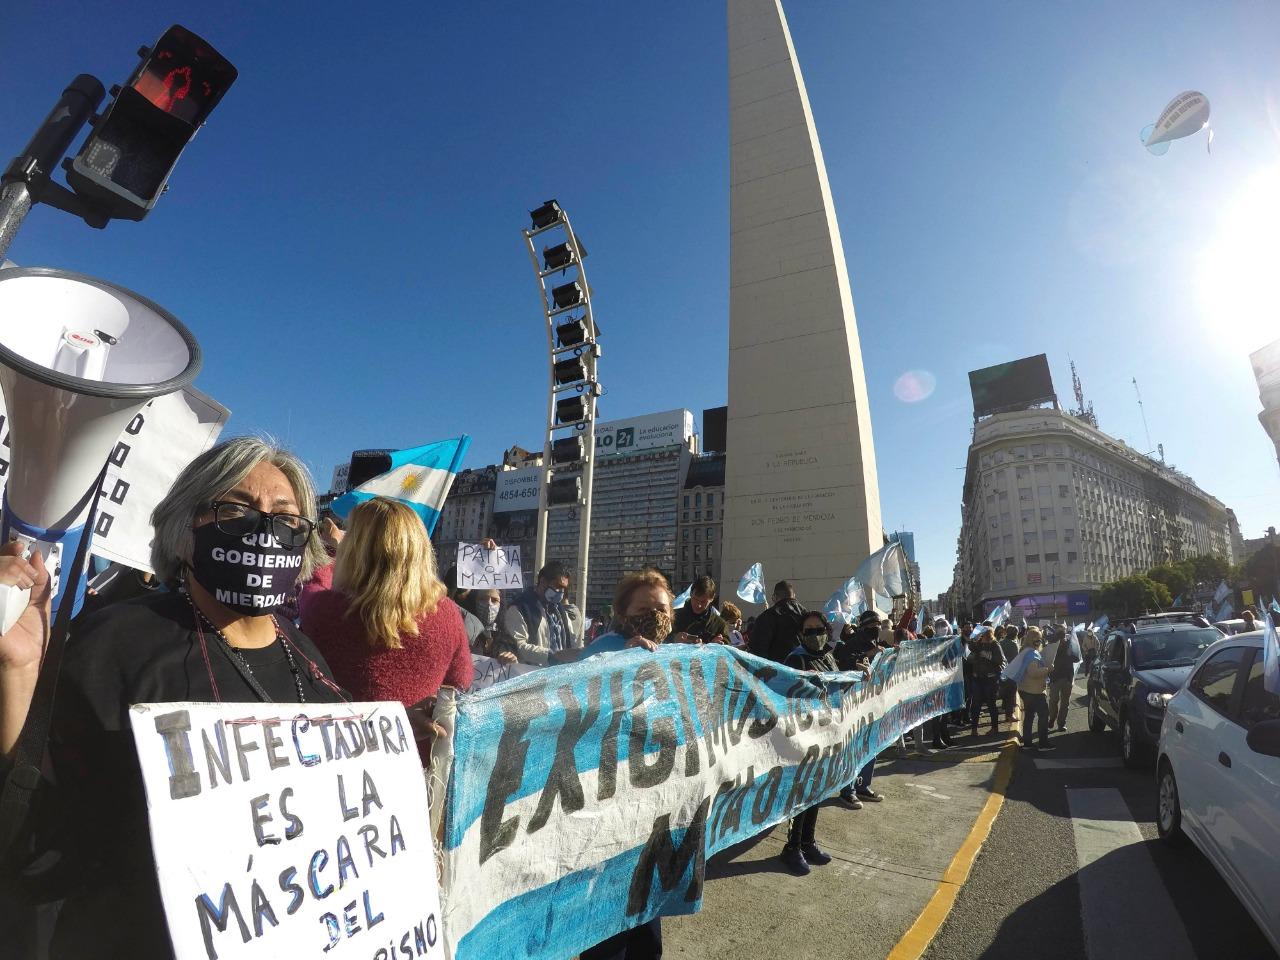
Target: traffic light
[(126, 160)]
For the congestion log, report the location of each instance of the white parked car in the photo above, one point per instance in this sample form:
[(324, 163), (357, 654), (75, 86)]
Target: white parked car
[(1218, 773)]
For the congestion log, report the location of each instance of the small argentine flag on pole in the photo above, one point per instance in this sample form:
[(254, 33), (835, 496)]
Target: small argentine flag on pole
[(420, 478), (1271, 657)]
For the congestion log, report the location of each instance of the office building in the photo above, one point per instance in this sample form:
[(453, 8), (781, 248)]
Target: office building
[(701, 520), (1054, 508)]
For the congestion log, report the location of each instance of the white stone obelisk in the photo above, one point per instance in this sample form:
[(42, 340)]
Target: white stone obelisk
[(801, 492)]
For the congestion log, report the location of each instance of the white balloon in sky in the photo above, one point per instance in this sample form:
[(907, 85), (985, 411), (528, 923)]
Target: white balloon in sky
[(1187, 113)]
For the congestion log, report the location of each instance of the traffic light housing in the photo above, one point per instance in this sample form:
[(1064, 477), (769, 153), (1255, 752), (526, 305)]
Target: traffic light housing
[(126, 160)]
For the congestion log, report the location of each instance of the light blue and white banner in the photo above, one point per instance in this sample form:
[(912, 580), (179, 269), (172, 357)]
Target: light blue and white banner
[(584, 799), (420, 478)]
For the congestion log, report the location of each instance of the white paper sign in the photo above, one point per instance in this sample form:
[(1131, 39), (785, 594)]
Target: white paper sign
[(158, 443), (481, 569), (289, 830), (489, 671)]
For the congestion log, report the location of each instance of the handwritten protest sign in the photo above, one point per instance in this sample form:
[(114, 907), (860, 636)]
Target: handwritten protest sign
[(488, 671), (586, 798), (496, 569), (289, 830)]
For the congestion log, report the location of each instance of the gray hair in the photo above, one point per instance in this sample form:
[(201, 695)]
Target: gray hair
[(208, 477)]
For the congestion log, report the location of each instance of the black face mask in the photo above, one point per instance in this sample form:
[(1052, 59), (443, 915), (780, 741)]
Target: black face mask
[(251, 575)]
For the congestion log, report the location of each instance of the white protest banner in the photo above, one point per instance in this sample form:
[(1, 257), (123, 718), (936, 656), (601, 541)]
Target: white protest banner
[(292, 830), (488, 671), (164, 437), (585, 799), (496, 569)]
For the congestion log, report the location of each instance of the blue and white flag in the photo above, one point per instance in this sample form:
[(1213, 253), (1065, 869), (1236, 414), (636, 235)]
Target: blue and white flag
[(420, 478), (751, 586), (585, 799), (681, 600), (1271, 656), (1226, 611), (1275, 606), (1101, 625), (1177, 601), (885, 573), (920, 621), (998, 616), (1221, 593)]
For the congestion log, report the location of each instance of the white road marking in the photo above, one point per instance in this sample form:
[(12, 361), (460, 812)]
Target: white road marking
[(929, 791), (1124, 903), (1078, 763)]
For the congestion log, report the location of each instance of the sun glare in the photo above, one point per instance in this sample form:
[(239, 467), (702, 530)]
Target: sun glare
[(1238, 269)]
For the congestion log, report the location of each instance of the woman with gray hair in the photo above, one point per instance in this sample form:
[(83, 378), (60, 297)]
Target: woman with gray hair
[(231, 537)]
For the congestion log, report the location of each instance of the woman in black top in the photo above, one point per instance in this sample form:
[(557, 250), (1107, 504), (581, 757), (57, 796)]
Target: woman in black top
[(213, 636)]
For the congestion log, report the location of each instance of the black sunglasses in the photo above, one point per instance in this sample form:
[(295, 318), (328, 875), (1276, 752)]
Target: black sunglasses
[(240, 520)]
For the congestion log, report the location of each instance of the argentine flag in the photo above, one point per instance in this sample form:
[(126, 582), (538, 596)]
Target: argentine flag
[(420, 478), (681, 600), (751, 586), (1271, 657)]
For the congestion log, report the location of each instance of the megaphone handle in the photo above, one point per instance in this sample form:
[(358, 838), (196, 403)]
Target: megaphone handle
[(13, 600)]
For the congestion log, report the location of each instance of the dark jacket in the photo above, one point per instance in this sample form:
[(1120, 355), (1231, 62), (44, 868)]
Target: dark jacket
[(802, 658), (706, 626), (987, 658), (857, 651), (1064, 663), (777, 631)]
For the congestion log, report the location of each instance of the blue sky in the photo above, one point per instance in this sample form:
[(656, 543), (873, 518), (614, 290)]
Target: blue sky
[(343, 237)]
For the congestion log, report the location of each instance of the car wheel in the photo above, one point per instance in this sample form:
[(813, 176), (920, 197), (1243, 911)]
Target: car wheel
[(1097, 722), (1130, 749), (1168, 807)]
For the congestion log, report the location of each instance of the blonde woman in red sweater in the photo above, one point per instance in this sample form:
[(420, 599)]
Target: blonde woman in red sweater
[(380, 614)]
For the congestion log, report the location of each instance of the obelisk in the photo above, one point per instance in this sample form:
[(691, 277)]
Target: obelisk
[(801, 493)]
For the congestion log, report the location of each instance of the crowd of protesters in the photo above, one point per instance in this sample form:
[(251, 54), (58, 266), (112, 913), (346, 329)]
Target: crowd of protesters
[(363, 614)]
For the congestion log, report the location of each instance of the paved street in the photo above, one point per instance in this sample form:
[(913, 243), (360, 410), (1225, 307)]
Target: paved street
[(1072, 868)]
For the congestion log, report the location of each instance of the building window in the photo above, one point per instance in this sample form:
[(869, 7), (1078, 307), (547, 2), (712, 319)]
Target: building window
[(686, 500), (1022, 473), (1050, 558), (710, 532), (1071, 557), (1044, 492), (1037, 449), (697, 552), (1062, 490), (697, 499), (711, 499), (685, 516), (1008, 564), (697, 533), (1024, 494), (685, 534), (1033, 558), (697, 514)]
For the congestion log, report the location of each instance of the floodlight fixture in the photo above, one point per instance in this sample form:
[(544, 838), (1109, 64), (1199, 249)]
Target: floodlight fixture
[(545, 215), (564, 491), (571, 333), (570, 371), (571, 410), (567, 295), (567, 450)]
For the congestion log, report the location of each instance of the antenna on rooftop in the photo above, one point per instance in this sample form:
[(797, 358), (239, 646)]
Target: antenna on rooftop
[(1081, 412), (1143, 411)]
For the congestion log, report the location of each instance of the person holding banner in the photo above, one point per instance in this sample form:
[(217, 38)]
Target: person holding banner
[(232, 536), (815, 654), (380, 614), (697, 621)]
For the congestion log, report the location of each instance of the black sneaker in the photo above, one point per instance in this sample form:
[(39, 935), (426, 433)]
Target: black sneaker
[(869, 796), (849, 800), (795, 861), (815, 855)]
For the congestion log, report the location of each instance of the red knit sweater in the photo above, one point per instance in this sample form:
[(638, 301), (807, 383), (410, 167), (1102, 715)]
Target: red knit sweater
[(438, 656)]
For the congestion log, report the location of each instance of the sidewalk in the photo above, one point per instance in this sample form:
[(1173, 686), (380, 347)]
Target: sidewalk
[(888, 859)]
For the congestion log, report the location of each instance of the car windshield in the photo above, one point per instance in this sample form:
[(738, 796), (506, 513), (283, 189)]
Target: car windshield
[(1171, 648)]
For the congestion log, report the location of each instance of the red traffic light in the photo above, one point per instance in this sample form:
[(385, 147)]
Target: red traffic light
[(124, 164)]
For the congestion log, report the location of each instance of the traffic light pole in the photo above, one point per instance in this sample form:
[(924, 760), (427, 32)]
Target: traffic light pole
[(26, 181)]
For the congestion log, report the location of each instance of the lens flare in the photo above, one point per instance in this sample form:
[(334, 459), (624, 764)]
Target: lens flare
[(915, 386)]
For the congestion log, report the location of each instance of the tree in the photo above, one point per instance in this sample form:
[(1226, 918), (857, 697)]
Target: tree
[(1209, 568), (1175, 577), (1131, 596), (1262, 571)]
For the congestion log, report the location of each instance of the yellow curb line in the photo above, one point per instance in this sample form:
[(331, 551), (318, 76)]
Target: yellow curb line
[(921, 933)]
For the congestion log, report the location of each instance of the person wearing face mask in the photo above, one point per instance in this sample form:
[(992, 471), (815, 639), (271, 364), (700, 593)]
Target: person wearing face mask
[(697, 621), (379, 613), (641, 619), (815, 654), (542, 626), (232, 536), (862, 643), (484, 607)]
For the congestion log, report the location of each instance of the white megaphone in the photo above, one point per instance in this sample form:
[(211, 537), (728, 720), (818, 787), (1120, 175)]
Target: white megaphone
[(79, 358)]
